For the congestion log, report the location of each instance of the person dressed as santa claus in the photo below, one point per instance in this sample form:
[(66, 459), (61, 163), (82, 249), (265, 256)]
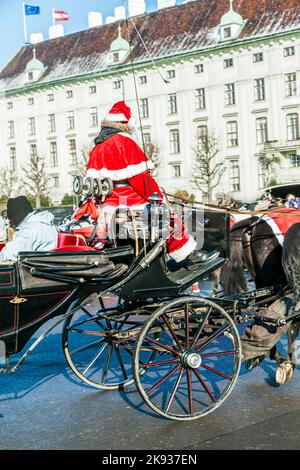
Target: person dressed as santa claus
[(117, 155)]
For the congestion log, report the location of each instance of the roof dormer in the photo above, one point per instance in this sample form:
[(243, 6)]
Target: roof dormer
[(34, 69), (119, 49), (231, 24)]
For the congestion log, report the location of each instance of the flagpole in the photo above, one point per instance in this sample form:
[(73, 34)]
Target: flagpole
[(24, 23), (53, 22)]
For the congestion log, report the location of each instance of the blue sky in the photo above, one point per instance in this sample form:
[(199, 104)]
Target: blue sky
[(11, 19)]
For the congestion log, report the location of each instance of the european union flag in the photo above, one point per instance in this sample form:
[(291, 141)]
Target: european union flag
[(32, 10)]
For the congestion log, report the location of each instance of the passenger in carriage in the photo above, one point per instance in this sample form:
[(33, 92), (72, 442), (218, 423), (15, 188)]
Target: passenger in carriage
[(117, 155), (34, 231)]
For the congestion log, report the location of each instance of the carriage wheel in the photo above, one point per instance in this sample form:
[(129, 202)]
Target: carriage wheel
[(100, 350), (197, 362)]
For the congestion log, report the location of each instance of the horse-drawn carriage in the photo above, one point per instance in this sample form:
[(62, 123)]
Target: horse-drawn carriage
[(127, 318)]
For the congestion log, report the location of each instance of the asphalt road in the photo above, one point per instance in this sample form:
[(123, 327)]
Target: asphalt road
[(44, 406)]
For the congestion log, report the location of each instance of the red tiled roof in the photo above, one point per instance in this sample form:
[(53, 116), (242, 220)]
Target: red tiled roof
[(166, 32)]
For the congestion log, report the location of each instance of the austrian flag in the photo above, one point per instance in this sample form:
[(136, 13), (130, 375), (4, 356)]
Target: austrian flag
[(60, 15)]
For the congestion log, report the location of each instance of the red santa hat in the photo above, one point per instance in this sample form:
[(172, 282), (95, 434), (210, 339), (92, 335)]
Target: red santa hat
[(120, 112)]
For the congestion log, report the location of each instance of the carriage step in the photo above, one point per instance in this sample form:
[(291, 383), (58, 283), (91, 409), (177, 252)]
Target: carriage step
[(187, 277)]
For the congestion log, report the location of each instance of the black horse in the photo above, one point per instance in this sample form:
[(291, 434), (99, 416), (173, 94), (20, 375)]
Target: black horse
[(252, 243)]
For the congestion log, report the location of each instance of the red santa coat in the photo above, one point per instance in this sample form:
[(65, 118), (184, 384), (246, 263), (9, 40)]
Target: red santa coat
[(120, 158)]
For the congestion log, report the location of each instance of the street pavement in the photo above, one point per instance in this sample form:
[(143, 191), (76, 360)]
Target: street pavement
[(44, 406)]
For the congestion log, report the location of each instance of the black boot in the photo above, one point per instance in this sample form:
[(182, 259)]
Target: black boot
[(200, 257)]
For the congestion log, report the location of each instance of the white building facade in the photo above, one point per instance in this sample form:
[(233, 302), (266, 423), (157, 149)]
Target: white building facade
[(243, 89)]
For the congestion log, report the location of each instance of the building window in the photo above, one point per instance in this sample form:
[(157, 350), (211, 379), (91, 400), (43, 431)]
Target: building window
[(290, 84), (93, 117), (72, 151), (92, 89), (262, 172), (9, 105), (258, 57), (69, 94), (229, 94), (117, 84), (53, 154), (171, 73), (30, 101), (50, 97), (30, 76), (261, 130), (199, 68), (294, 160), (115, 57), (56, 181), (142, 79), (70, 120), (13, 158), (202, 134), (289, 51), (200, 98), (232, 134), (259, 89), (32, 151), (146, 138), (227, 32), (144, 108), (176, 170), (11, 129), (292, 123), (51, 122), (172, 104), (174, 141), (31, 125), (234, 175), (228, 63)]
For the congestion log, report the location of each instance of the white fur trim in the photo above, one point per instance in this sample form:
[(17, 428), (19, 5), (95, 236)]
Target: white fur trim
[(184, 251), (276, 230), (123, 173), (116, 117)]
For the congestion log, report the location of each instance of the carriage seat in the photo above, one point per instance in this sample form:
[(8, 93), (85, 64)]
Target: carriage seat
[(77, 265), (71, 242)]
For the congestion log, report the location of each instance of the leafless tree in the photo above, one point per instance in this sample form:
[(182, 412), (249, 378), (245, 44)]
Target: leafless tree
[(82, 162), (152, 152), (8, 179), (207, 172), (268, 162), (35, 179)]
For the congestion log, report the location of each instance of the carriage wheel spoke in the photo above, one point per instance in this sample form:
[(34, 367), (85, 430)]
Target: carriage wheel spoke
[(94, 343), (161, 381), (222, 353), (95, 359), (172, 332), (212, 337), (200, 328), (167, 348), (107, 364), (187, 334), (205, 386), (190, 391), (159, 363), (217, 372), (175, 388), (91, 316), (121, 363)]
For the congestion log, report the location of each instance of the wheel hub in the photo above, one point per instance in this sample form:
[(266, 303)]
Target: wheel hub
[(191, 359)]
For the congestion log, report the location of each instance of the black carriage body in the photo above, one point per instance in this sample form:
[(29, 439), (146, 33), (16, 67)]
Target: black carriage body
[(26, 303)]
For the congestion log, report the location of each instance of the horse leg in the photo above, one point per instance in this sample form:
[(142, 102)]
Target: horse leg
[(286, 367)]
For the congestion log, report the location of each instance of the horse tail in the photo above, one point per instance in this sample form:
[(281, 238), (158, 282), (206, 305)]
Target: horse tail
[(291, 259), (232, 277)]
